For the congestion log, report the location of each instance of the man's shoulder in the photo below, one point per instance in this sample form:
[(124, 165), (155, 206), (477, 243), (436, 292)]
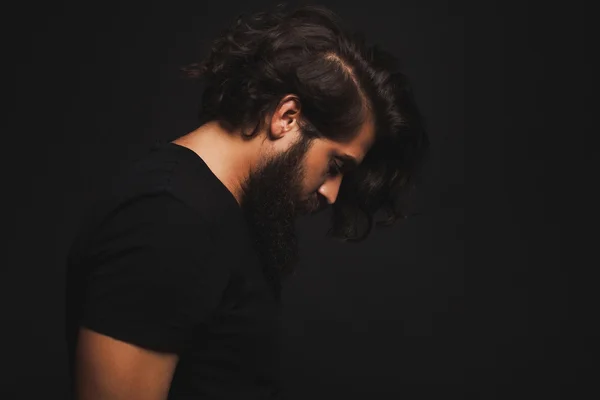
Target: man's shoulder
[(172, 171), (166, 183)]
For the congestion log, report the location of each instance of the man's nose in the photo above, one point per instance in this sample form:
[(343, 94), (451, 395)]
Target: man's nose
[(331, 188)]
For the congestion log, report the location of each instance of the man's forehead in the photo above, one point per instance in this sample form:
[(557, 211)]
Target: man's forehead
[(355, 151)]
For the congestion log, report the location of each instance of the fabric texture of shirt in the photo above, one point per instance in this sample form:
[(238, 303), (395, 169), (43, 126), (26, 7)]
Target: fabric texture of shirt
[(165, 261)]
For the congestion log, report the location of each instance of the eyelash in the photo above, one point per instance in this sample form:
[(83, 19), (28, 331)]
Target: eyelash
[(334, 169)]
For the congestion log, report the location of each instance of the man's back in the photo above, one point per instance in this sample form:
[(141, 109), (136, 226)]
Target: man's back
[(165, 263)]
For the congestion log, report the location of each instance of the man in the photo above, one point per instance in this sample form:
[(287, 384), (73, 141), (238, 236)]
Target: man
[(173, 284)]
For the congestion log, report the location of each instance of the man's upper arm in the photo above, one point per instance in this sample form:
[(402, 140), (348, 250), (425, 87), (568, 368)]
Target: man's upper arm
[(153, 282), (109, 369)]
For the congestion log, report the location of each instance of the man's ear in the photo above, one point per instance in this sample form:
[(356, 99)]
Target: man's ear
[(285, 118)]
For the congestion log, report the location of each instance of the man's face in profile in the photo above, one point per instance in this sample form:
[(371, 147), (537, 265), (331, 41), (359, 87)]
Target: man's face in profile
[(297, 181)]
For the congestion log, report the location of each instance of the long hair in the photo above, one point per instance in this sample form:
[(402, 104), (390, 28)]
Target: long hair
[(340, 80)]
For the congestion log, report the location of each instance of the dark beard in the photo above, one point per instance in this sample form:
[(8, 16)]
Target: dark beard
[(271, 201)]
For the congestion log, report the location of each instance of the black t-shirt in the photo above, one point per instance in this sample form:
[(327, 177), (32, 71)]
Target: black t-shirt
[(165, 262)]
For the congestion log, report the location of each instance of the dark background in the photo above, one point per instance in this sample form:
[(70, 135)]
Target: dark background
[(403, 315)]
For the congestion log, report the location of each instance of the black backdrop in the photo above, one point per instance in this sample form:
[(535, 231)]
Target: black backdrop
[(404, 315)]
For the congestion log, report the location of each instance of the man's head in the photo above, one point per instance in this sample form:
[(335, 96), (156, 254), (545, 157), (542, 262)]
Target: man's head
[(334, 119), (314, 166), (297, 175)]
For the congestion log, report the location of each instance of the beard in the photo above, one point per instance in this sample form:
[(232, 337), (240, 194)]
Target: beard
[(271, 200)]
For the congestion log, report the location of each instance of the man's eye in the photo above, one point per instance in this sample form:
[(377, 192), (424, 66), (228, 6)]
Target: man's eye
[(334, 169)]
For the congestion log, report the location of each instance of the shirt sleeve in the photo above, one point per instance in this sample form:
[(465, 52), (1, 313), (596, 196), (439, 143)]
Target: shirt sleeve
[(154, 278)]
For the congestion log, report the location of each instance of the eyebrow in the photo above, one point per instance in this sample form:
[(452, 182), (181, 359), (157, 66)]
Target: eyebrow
[(349, 161)]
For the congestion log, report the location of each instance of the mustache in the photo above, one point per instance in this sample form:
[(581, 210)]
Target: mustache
[(315, 203)]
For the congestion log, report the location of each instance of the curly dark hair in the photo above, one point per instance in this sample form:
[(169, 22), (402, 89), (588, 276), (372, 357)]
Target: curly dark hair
[(339, 80)]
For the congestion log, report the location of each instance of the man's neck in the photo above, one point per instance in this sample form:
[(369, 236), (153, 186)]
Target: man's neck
[(227, 155)]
